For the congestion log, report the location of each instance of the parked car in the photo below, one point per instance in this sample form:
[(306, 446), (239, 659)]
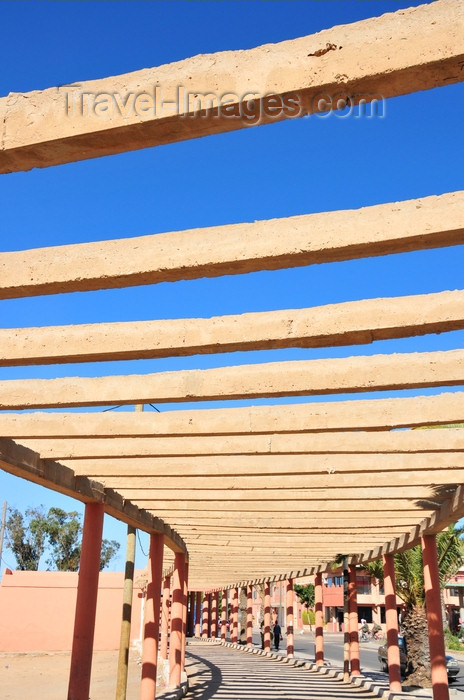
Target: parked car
[(452, 666)]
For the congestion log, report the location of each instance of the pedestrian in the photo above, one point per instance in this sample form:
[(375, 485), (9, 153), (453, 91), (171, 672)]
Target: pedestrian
[(277, 635)]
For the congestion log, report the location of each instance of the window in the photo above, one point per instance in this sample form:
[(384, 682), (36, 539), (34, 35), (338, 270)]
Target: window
[(363, 585)]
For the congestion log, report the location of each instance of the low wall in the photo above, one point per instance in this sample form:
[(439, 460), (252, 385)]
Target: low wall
[(37, 610)]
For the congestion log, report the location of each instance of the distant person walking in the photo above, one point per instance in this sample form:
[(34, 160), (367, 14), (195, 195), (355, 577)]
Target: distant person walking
[(277, 636)]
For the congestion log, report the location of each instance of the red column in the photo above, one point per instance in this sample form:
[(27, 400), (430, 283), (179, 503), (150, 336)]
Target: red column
[(184, 616), (224, 616), (86, 603), (152, 618), (191, 615), (234, 636), (319, 620), (353, 623), (214, 612), (205, 617), (290, 598), (177, 610), (249, 629), (267, 616), (391, 617), (434, 619), (198, 615), (165, 607)]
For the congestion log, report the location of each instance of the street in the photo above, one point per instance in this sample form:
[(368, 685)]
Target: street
[(333, 654)]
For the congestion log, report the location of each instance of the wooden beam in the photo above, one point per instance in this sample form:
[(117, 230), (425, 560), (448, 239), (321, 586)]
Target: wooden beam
[(445, 440), (350, 323), (370, 414), (20, 461), (273, 379), (222, 250)]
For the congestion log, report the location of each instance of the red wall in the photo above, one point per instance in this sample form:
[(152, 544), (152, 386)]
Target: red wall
[(37, 610)]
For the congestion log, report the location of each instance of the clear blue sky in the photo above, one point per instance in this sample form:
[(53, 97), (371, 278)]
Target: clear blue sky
[(294, 167)]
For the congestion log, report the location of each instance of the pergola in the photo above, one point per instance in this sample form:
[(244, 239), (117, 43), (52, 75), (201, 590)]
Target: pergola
[(266, 492)]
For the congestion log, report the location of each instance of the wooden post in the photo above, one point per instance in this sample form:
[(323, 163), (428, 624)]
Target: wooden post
[(86, 603), (124, 643), (205, 617), (234, 635), (346, 632)]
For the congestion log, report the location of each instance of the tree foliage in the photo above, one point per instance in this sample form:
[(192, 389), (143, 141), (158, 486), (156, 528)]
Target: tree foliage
[(305, 594), (409, 575), (57, 534)]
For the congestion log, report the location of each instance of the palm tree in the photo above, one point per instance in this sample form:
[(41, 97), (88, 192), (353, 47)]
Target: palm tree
[(409, 574)]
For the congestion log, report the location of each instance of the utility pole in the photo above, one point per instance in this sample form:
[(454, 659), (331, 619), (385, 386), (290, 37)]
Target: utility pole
[(2, 533)]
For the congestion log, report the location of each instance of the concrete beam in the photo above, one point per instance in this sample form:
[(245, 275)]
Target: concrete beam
[(350, 323), (133, 487), (336, 465), (20, 461), (372, 414), (273, 379), (418, 224), (444, 440), (383, 56)]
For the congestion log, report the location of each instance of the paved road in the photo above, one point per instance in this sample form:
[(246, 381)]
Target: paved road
[(230, 674)]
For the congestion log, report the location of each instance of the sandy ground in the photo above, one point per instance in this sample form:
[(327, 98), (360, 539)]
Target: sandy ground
[(44, 676)]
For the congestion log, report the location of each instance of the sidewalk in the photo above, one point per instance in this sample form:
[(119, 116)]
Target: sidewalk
[(233, 672)]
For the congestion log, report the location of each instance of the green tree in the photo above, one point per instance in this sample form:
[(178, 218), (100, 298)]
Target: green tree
[(305, 594), (57, 534), (409, 574), (26, 536)]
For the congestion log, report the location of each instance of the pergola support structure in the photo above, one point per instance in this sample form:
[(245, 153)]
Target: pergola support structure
[(152, 619), (434, 618), (177, 638), (86, 603), (391, 617)]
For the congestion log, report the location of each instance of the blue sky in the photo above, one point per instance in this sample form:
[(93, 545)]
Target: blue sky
[(294, 167)]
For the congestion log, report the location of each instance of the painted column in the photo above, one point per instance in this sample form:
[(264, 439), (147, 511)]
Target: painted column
[(86, 603), (184, 615), (355, 660), (191, 615), (319, 620), (198, 615), (205, 617), (434, 619), (214, 611), (391, 617), (267, 616), (152, 618), (224, 615), (290, 601), (249, 629), (165, 609), (177, 610), (234, 635)]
